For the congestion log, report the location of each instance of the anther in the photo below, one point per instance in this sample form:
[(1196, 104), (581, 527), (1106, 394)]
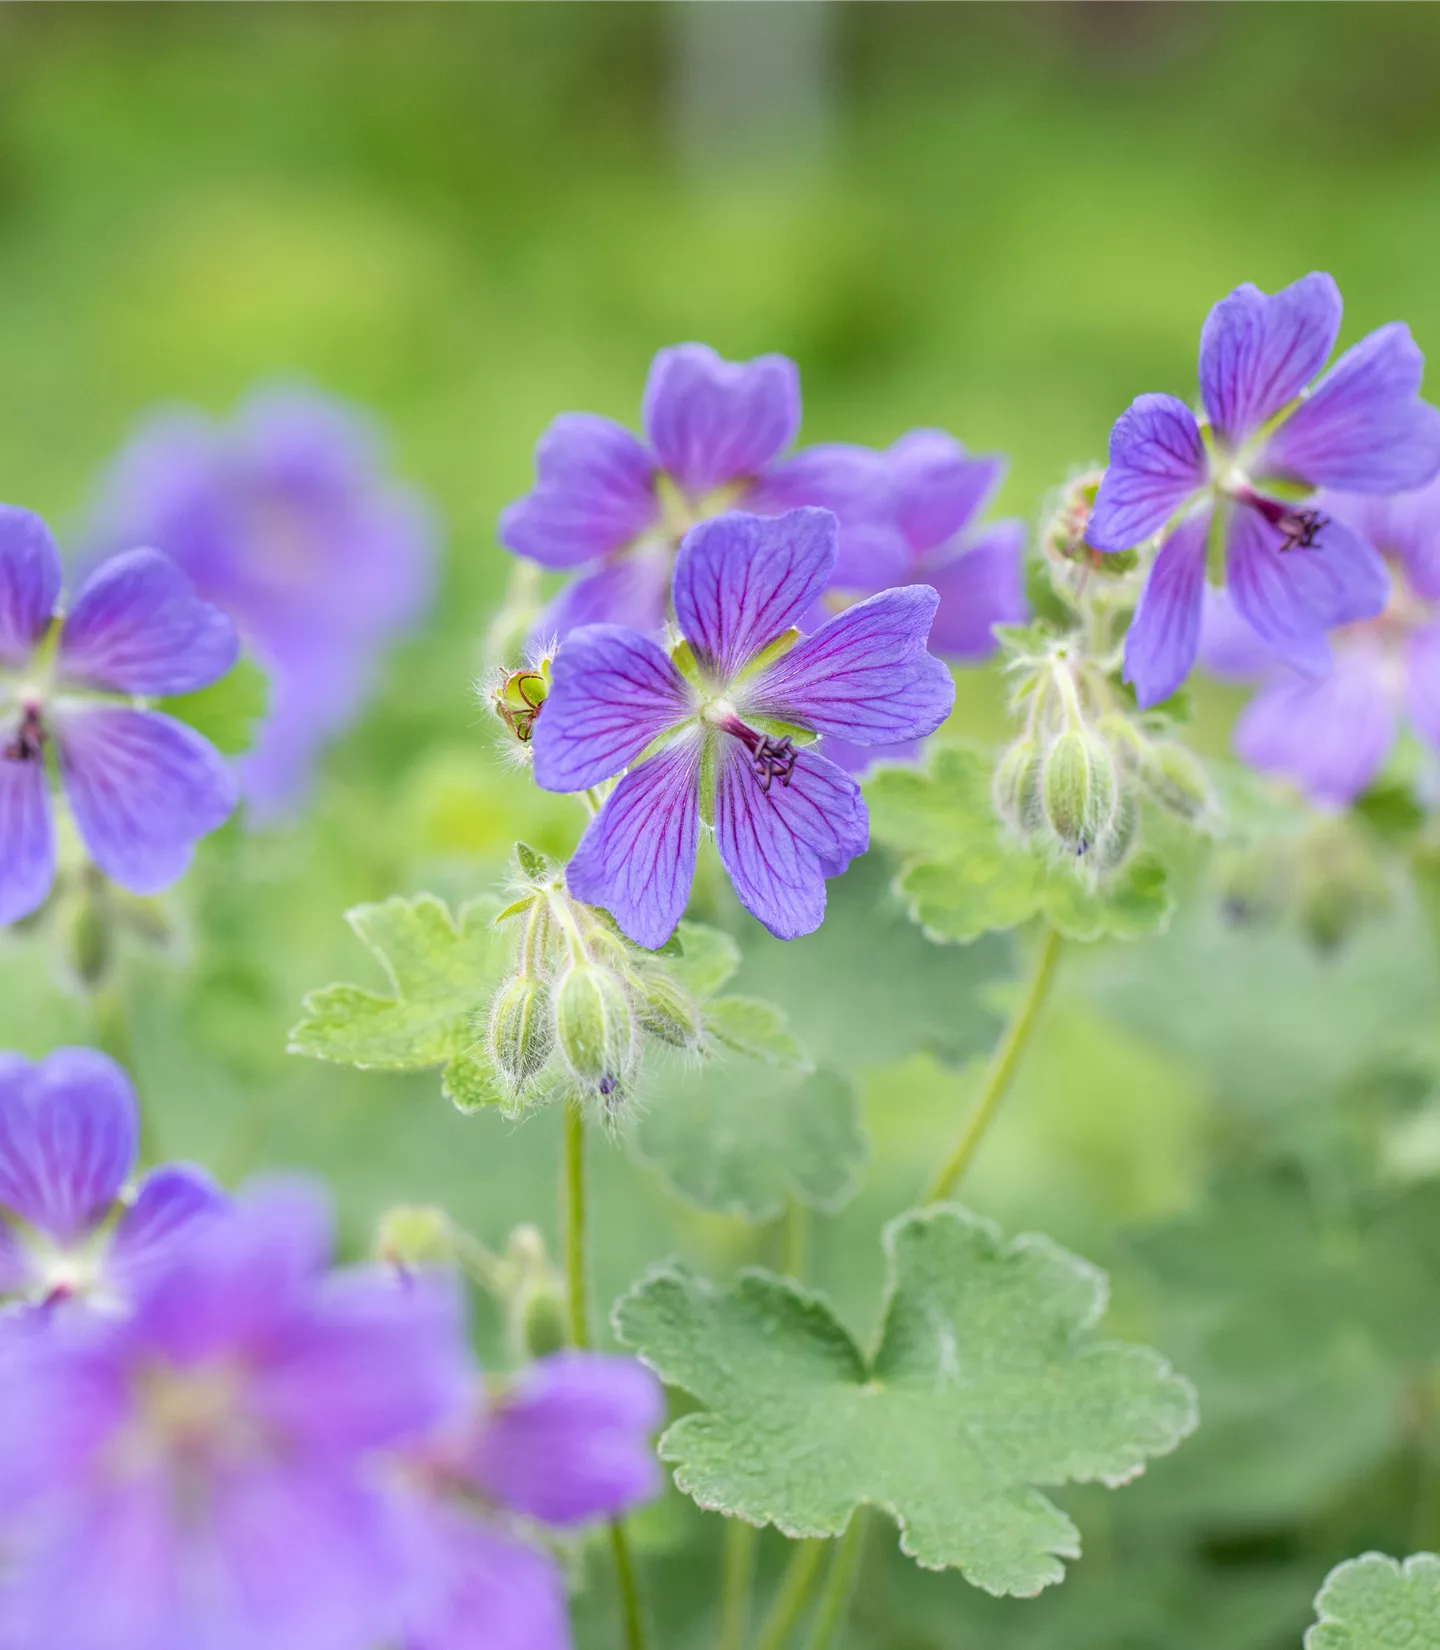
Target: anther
[(770, 758), (28, 745), (1298, 528)]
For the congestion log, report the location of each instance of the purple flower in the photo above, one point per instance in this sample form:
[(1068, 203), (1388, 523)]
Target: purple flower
[(613, 509), (69, 1131), (142, 787), (710, 731), (287, 519), (1330, 735), (1233, 491), (568, 1443), (206, 1470)]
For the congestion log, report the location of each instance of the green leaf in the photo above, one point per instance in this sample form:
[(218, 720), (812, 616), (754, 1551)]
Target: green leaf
[(705, 959), (441, 971), (743, 1143), (228, 711), (1377, 1603), (965, 877), (758, 1029), (988, 1382)]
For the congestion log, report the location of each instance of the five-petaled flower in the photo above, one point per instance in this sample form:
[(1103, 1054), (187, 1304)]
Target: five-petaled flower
[(613, 508), (1330, 735), (1236, 488), (142, 786), (69, 1133), (716, 729)]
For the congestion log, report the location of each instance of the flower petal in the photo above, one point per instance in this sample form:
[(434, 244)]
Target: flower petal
[(482, 1589), (570, 1441), (143, 788), (637, 857), (712, 421), (981, 587), (1229, 648), (1422, 683), (742, 581), (27, 834), (1259, 350), (29, 582), (1328, 736), (631, 590), (138, 626), (779, 845), (1405, 526), (612, 691), (1157, 461), (1164, 635), (1364, 427), (68, 1136), (865, 675), (167, 1204), (939, 487), (594, 491), (856, 484)]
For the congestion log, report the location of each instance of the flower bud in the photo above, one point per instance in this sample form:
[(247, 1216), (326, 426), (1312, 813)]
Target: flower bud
[(667, 1011), (1062, 538), (534, 1297), (518, 699), (1113, 846), (1015, 789), (411, 1235), (519, 1030), (89, 941), (1077, 789), (594, 1028), (1177, 780)]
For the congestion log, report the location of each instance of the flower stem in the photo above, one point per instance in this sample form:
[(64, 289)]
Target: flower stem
[(737, 1565), (1002, 1068), (839, 1584), (578, 1313), (795, 1586)]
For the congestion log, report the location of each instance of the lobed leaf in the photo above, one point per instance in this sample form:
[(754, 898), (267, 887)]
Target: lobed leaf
[(1378, 1603), (757, 1029)]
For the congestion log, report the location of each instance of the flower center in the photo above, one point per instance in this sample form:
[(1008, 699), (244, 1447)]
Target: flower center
[(1298, 528), (28, 741), (770, 758)]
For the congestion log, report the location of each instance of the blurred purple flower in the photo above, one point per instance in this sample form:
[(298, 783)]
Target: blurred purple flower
[(69, 1132), (142, 787), (720, 733), (569, 1442), (286, 518), (206, 1469), (1293, 570), (613, 509), (1330, 735)]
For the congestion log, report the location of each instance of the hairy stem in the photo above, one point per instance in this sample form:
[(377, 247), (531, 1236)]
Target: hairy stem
[(794, 1590), (1002, 1067), (737, 1576), (839, 1584)]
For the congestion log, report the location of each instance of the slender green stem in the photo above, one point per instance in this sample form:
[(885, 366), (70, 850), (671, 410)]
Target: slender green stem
[(795, 1586), (1002, 1068), (796, 1231), (631, 1610), (737, 1577), (839, 1584)]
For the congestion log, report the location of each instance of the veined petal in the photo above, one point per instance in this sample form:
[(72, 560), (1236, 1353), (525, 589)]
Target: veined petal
[(1259, 350), (481, 1589), (864, 675), (1422, 683), (29, 582), (594, 491), (1330, 736), (612, 691), (27, 834), (855, 483), (741, 581), (712, 421), (1364, 427), (167, 1204), (939, 487), (637, 857), (68, 1136), (1164, 635), (1229, 648), (982, 586), (138, 626), (1157, 462), (1404, 525), (779, 845), (631, 590), (143, 789)]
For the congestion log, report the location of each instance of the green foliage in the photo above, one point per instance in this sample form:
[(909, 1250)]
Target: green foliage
[(962, 877), (988, 1381), (1378, 1603), (758, 1029), (228, 711)]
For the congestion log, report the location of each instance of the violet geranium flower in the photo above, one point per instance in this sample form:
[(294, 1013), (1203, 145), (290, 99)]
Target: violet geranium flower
[(142, 786), (612, 508), (287, 518), (69, 1130), (568, 1443), (1330, 735), (206, 1469), (715, 729), (1234, 491)]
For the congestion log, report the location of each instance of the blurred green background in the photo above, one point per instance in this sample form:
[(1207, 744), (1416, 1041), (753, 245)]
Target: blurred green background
[(1006, 220)]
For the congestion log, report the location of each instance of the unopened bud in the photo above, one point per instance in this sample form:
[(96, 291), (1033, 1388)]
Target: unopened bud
[(518, 699), (519, 1031), (411, 1235), (594, 1028), (535, 1297), (1114, 843), (667, 1011), (1015, 789), (1077, 789), (1177, 780), (89, 941)]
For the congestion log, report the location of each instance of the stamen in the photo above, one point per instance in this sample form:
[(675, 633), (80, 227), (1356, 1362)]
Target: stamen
[(770, 758), (28, 745), (1299, 528)]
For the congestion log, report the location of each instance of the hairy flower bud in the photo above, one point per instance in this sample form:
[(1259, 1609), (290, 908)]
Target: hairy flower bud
[(535, 1297), (594, 1028), (1177, 780), (519, 1031), (1015, 789), (411, 1235), (667, 1011), (1062, 539), (1077, 789)]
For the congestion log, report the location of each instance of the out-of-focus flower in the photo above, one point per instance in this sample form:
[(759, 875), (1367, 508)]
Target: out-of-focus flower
[(142, 787), (568, 1443), (1236, 489), (204, 1470), (613, 508), (68, 1136), (1330, 735), (288, 519), (718, 729)]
